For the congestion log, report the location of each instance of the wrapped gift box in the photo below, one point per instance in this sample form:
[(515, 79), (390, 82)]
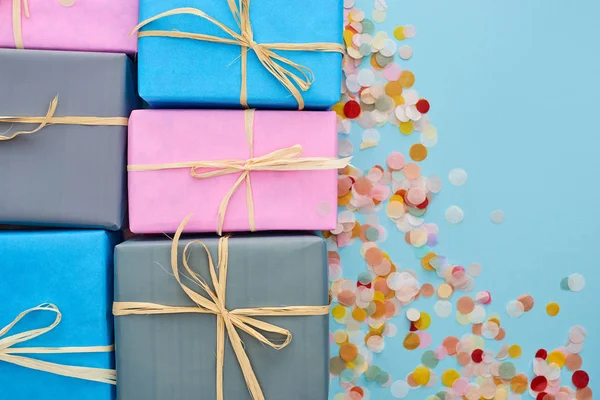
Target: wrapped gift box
[(76, 25), (173, 355), (72, 270), (64, 175), (179, 73), (283, 200)]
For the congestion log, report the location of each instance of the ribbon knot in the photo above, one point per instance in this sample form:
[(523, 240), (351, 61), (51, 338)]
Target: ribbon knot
[(228, 321), (291, 75), (286, 159), (12, 355)]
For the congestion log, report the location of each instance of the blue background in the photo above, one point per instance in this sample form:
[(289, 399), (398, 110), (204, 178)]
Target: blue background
[(514, 87)]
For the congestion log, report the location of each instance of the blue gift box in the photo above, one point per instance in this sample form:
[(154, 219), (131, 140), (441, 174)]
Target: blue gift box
[(175, 72), (72, 270)]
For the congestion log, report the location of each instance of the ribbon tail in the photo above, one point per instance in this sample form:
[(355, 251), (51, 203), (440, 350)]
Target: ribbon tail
[(244, 362), (250, 326), (100, 375), (225, 203), (46, 121), (220, 355)]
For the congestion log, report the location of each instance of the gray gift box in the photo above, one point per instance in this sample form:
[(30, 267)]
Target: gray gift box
[(64, 175), (173, 356)]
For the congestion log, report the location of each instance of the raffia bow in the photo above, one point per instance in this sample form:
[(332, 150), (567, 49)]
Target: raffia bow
[(227, 320), (50, 119), (300, 76), (14, 355), (286, 159)]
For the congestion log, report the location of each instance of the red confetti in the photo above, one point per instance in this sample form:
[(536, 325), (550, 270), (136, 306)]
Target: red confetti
[(358, 389), (580, 379), (351, 109), (423, 204), (413, 327), (477, 356), (541, 353), (541, 396), (539, 383), (368, 285), (423, 106)]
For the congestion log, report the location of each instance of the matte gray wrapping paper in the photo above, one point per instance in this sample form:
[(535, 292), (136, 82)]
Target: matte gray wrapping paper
[(173, 356), (64, 175)]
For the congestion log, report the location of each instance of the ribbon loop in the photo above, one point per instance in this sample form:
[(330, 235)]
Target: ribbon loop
[(300, 78), (228, 321), (7, 351)]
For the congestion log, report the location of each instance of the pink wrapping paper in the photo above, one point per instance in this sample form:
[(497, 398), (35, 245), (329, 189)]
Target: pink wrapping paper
[(283, 200), (86, 25)]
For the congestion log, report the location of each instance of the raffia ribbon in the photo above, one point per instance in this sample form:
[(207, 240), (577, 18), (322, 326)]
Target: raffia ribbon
[(13, 355), (286, 159), (18, 6), (50, 119), (299, 76), (227, 320)]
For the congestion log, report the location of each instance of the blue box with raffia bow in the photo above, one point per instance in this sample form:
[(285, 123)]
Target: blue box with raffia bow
[(177, 72), (57, 286)]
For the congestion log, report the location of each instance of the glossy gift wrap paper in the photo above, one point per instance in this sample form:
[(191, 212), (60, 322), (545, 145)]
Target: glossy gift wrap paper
[(64, 175), (172, 355), (183, 73), (76, 25), (72, 270), (283, 200)]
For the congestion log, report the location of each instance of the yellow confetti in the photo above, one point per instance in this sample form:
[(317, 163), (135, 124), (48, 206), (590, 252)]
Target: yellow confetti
[(421, 375), (449, 376), (406, 127), (423, 322), (338, 312), (557, 358), (552, 309), (399, 33), (515, 351)]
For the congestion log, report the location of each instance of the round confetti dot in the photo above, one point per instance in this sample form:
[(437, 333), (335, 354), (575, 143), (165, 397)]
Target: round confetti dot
[(507, 370), (423, 106), (359, 314), (584, 394), (395, 161), (557, 357), (573, 362), (429, 360), (421, 375), (405, 52), (450, 344), (351, 109), (527, 301), (576, 282), (400, 389), (518, 384), (552, 309), (580, 379), (416, 195), (418, 152), (539, 383), (423, 322), (515, 309), (497, 216), (338, 312), (515, 351), (412, 171), (465, 305), (449, 376), (463, 358), (337, 365), (454, 215), (427, 290), (444, 291), (541, 353), (413, 314), (457, 176), (348, 352), (411, 341), (410, 31), (477, 356), (443, 308), (407, 79), (407, 127)]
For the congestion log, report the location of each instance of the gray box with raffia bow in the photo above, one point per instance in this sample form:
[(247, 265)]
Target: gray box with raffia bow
[(65, 175), (173, 356)]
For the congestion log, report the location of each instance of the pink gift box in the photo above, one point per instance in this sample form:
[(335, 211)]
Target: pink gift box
[(283, 200), (76, 25)]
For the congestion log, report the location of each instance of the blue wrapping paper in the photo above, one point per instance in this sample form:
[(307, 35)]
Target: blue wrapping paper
[(72, 270), (183, 72)]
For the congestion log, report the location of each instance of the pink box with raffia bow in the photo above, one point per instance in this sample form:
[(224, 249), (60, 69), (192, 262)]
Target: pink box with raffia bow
[(74, 25), (283, 200)]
